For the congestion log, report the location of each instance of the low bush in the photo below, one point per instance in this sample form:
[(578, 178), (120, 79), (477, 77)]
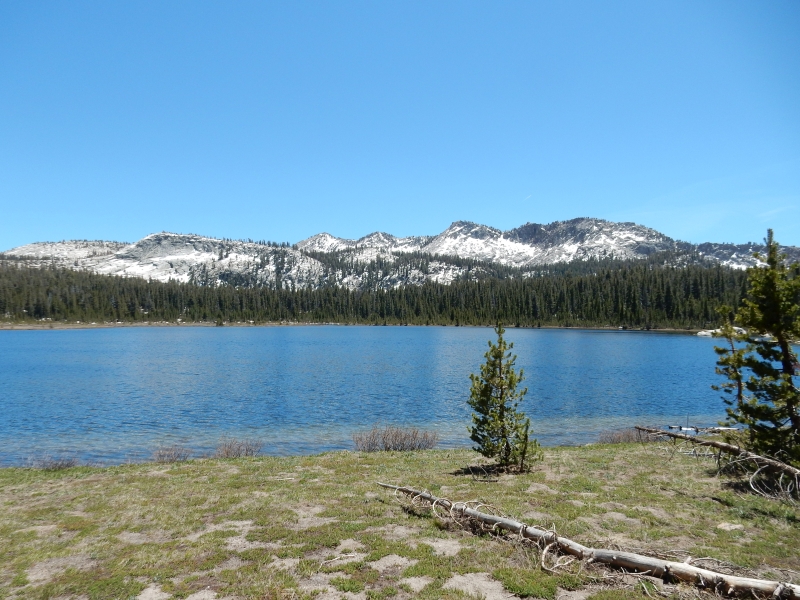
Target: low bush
[(54, 463), (233, 448), (623, 436), (171, 454), (395, 439)]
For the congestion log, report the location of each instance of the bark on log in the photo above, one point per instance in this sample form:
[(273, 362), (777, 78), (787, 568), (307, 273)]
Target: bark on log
[(665, 569), (730, 449)]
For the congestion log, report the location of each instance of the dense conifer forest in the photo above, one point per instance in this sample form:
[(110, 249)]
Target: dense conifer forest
[(637, 294)]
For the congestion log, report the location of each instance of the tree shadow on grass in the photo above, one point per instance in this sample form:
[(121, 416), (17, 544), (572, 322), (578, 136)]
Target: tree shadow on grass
[(485, 473)]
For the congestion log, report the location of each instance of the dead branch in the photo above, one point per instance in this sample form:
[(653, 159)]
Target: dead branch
[(769, 463), (667, 570)]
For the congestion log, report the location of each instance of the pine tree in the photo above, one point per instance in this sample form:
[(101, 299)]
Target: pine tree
[(760, 363), (498, 428)]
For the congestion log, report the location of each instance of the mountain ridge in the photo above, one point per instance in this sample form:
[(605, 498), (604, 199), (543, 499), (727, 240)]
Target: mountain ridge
[(377, 260)]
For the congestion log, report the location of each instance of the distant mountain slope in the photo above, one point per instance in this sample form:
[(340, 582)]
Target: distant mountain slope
[(181, 257), (533, 245), (526, 246), (464, 250)]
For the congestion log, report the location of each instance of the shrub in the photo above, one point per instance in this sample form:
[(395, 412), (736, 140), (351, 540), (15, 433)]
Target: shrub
[(171, 454), (391, 438), (622, 436), (54, 463), (233, 448)]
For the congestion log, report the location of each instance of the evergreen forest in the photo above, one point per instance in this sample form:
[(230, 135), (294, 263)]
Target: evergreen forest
[(634, 294)]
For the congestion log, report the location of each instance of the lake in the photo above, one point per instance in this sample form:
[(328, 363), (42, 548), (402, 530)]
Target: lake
[(113, 395)]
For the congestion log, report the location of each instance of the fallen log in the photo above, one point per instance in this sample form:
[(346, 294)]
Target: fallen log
[(771, 463), (668, 570), (703, 429)]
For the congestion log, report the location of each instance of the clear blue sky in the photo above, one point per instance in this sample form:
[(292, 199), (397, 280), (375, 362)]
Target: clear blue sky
[(281, 120)]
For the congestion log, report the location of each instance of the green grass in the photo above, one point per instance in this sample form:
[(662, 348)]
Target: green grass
[(270, 527)]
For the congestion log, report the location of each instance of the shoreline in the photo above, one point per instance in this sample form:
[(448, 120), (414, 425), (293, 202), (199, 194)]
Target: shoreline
[(61, 326)]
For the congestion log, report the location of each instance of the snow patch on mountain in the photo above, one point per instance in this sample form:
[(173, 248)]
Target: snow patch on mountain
[(325, 242), (83, 251)]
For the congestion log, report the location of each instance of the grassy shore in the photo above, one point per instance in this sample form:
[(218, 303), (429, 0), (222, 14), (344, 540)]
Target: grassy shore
[(318, 526)]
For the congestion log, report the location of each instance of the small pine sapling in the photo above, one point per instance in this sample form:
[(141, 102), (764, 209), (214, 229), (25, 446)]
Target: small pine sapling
[(499, 429)]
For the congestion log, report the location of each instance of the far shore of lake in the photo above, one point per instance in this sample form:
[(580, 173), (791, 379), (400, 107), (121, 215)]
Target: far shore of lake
[(56, 325)]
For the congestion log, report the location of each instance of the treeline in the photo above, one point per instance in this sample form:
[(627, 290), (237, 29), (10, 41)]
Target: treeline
[(629, 295), (347, 261)]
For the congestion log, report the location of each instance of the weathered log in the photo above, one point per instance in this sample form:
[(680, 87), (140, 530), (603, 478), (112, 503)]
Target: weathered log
[(665, 569), (772, 463), (703, 429)]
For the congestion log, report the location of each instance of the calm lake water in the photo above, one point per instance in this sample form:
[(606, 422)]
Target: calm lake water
[(112, 395)]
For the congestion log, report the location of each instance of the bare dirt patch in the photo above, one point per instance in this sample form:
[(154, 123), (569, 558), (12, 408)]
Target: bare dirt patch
[(612, 505), (231, 564), (394, 533), (656, 512), (46, 570), (533, 516), (235, 543), (480, 585), (618, 516), (40, 530), (307, 517), (203, 595), (318, 581), (134, 537), (333, 557), (443, 547), (349, 545), (158, 473), (392, 562), (238, 543), (540, 488), (284, 564), (242, 526), (153, 592), (417, 584), (580, 594)]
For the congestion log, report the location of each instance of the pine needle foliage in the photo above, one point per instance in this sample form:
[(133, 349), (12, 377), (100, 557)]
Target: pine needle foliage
[(759, 362), (499, 429)]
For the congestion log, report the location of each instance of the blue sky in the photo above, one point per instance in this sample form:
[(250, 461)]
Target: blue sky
[(281, 120)]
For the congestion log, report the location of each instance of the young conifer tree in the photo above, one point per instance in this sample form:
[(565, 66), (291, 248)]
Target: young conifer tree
[(499, 429), (759, 361)]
